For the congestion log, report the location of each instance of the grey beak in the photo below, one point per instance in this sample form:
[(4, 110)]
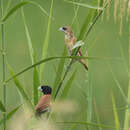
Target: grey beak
[(61, 29), (40, 89)]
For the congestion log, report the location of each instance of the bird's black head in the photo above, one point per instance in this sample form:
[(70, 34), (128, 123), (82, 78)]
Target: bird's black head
[(45, 89)]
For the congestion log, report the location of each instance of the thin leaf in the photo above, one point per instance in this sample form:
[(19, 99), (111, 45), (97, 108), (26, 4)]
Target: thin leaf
[(60, 69), (36, 82), (115, 114), (10, 114), (18, 6), (46, 42), (2, 108), (84, 5), (68, 85), (54, 58), (14, 9), (20, 88), (31, 50)]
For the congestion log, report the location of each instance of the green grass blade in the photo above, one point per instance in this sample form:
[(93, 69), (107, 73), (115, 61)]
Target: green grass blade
[(18, 6), (47, 37), (14, 9), (31, 50), (36, 82), (59, 73), (84, 5), (20, 88), (2, 108), (58, 57), (10, 114), (115, 114), (40, 62), (68, 85)]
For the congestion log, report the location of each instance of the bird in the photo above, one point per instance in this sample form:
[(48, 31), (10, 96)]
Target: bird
[(44, 102), (70, 41)]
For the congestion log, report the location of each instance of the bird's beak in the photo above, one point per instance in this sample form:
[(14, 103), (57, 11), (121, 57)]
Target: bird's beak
[(61, 29), (40, 89)]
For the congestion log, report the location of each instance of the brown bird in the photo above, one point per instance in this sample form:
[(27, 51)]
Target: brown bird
[(44, 103), (70, 41)]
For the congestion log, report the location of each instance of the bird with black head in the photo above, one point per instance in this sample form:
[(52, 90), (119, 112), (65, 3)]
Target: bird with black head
[(44, 102)]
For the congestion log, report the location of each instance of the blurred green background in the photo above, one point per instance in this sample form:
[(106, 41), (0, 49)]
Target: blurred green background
[(103, 41)]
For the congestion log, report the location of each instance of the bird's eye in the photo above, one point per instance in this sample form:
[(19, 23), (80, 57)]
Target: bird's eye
[(64, 28)]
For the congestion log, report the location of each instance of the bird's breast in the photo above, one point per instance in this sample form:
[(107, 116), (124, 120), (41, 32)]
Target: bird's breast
[(69, 43)]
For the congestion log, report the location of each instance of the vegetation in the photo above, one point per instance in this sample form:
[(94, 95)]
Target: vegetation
[(33, 53)]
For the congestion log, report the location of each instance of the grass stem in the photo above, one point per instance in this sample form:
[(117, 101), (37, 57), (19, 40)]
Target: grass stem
[(3, 65)]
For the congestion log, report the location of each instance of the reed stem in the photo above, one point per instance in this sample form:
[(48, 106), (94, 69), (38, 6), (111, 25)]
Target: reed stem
[(3, 65)]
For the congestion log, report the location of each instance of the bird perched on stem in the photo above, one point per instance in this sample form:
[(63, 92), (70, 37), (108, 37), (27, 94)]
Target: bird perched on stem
[(44, 103), (70, 41)]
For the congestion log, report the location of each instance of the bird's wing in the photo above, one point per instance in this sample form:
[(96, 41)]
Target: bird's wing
[(43, 104), (74, 39)]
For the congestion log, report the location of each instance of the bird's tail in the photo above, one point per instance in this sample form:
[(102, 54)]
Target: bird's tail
[(82, 61), (84, 64)]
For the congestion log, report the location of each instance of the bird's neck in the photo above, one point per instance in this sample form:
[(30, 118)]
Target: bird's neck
[(69, 35)]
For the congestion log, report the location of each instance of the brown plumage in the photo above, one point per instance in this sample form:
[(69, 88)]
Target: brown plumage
[(70, 41), (44, 102)]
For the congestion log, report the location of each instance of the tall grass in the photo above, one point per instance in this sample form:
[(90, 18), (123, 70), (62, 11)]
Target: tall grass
[(61, 89)]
